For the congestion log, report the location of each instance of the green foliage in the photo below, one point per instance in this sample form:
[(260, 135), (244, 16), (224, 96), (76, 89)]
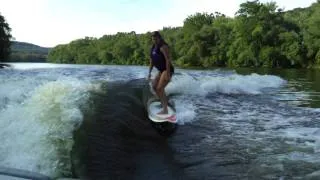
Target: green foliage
[(259, 35), (308, 20), (5, 37), (27, 57)]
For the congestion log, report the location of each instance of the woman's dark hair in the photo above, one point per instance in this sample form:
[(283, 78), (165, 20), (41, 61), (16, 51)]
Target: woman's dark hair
[(158, 35)]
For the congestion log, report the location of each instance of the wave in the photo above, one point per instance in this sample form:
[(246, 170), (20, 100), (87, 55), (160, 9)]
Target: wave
[(37, 131), (231, 84), (74, 128), (117, 139)]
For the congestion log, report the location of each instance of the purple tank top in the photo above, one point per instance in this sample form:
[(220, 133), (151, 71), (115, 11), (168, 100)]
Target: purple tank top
[(158, 59)]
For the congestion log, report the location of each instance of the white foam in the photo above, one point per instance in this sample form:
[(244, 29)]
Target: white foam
[(301, 156), (301, 132), (35, 131), (231, 84), (185, 111), (190, 87), (24, 66)]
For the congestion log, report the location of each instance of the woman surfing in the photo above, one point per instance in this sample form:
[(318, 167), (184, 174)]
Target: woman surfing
[(159, 58)]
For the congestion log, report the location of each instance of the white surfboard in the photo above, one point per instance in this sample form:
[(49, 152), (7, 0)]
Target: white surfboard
[(154, 106)]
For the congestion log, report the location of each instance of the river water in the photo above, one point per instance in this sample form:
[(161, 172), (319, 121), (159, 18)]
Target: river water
[(90, 121)]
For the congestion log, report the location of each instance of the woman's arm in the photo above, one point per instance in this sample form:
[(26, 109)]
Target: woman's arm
[(150, 68), (165, 50)]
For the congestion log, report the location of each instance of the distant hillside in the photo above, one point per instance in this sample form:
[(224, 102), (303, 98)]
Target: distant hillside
[(27, 52), (28, 47)]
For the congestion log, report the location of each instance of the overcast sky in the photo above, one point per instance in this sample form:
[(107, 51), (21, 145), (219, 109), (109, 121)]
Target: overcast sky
[(52, 22)]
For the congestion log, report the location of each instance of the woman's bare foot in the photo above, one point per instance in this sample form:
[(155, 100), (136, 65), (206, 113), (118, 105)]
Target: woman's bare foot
[(163, 112)]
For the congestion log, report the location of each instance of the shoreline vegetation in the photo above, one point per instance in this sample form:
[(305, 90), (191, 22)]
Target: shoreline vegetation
[(259, 35)]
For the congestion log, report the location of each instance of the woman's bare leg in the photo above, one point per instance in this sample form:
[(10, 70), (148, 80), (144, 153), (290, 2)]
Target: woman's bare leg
[(161, 93), (155, 83)]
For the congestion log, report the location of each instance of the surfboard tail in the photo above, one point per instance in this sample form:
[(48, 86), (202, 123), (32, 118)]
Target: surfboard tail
[(172, 119)]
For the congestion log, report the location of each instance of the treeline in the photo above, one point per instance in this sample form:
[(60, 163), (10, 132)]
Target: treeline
[(27, 52), (5, 36), (260, 35), (27, 57)]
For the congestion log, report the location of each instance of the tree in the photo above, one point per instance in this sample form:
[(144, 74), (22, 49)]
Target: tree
[(5, 37), (191, 25), (259, 35), (263, 34)]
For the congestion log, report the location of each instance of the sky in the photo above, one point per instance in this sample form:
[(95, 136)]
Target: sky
[(51, 22)]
